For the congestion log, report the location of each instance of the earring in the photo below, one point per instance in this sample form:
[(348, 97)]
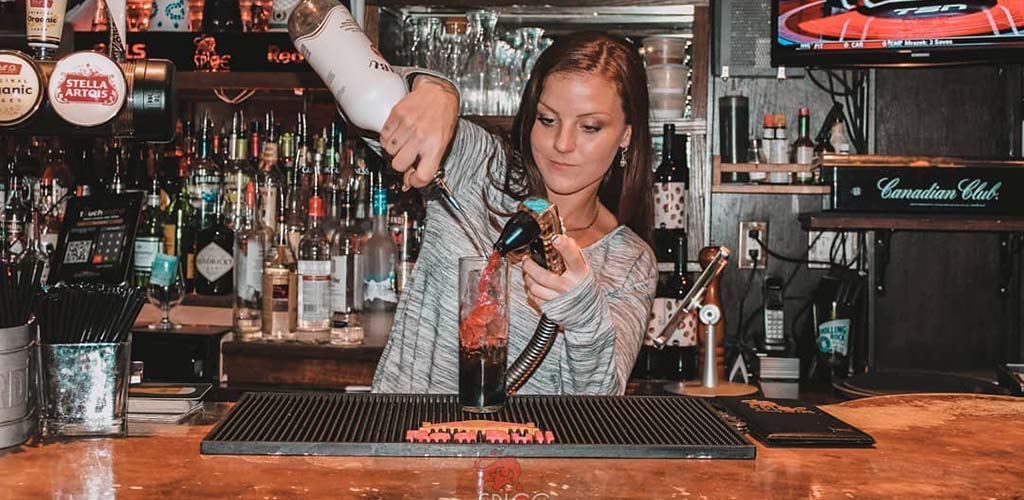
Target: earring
[(622, 158)]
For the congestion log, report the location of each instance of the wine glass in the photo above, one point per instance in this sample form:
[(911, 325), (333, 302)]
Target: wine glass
[(166, 289)]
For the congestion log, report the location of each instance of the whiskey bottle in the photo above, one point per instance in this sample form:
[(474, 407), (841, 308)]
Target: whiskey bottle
[(280, 288)]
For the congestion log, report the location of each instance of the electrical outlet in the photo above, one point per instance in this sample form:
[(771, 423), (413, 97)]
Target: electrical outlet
[(826, 244), (748, 243)]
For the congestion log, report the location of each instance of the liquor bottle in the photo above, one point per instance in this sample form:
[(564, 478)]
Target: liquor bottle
[(149, 237), (16, 216), (405, 217), (138, 165), (803, 147), (255, 142), (330, 39), (251, 239), (280, 288), (118, 180), (180, 226), (215, 262), (47, 219), (222, 16), (379, 278), (236, 177), (298, 200), (359, 185), (670, 183), (678, 361), (286, 153), (271, 183), (205, 180), (346, 272), (59, 172), (314, 278)]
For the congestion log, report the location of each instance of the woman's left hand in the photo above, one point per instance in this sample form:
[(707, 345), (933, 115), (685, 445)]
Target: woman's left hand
[(543, 285)]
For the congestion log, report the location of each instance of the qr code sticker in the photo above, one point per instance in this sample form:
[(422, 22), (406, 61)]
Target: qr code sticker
[(78, 252)]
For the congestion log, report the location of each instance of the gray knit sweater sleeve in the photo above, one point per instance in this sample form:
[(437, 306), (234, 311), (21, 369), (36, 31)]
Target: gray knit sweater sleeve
[(604, 317)]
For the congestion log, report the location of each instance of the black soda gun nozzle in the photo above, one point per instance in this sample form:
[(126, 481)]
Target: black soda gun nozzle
[(530, 230)]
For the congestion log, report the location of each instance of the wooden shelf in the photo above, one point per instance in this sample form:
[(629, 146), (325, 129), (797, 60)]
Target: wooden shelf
[(196, 300), (851, 221), (717, 186), (198, 80), (770, 189)]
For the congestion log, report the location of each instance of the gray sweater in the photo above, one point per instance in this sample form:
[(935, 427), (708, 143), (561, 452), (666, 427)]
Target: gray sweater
[(604, 317)]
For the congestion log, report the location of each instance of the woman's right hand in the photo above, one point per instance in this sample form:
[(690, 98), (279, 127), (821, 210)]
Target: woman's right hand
[(420, 128)]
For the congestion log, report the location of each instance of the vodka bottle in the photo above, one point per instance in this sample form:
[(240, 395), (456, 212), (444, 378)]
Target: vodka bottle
[(334, 45), (314, 278), (346, 272), (379, 278), (251, 240)]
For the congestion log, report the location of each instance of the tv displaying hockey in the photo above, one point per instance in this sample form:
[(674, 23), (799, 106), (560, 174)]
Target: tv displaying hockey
[(896, 32)]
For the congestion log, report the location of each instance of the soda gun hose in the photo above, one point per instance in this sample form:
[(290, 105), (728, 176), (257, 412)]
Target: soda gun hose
[(529, 233)]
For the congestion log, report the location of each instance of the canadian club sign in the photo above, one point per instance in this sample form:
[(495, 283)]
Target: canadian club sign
[(87, 89), (995, 188)]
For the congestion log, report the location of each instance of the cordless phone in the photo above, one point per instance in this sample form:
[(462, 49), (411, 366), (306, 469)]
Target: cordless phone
[(774, 322)]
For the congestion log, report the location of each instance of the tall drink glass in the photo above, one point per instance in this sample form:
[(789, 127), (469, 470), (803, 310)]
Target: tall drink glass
[(483, 332)]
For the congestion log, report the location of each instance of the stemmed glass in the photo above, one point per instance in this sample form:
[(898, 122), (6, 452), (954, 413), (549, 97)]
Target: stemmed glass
[(166, 289)]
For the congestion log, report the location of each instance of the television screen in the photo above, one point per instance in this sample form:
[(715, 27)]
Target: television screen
[(831, 33)]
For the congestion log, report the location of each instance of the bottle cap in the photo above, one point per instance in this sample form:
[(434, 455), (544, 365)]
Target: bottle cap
[(780, 121), (250, 194), (769, 121), (316, 206), (805, 111)]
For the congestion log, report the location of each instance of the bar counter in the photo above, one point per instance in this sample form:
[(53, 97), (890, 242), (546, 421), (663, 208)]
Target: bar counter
[(928, 446)]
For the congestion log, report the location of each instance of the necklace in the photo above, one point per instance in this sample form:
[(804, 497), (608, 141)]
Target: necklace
[(588, 226)]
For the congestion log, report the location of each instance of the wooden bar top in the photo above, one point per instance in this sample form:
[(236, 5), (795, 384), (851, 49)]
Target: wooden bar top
[(929, 446)]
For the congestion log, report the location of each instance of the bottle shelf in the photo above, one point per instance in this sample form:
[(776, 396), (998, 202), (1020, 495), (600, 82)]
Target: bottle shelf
[(717, 186)]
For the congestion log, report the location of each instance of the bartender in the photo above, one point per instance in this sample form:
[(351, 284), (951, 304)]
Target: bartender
[(580, 140)]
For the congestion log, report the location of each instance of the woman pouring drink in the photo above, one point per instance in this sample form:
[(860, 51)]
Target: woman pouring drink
[(581, 141)]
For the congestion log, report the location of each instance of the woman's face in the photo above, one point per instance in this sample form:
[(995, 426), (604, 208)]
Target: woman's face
[(579, 128)]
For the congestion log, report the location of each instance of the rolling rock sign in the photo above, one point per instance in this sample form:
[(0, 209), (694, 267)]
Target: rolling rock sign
[(21, 88), (87, 89)]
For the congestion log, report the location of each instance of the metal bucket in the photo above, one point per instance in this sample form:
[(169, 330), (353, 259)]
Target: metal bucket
[(17, 388), (85, 389)]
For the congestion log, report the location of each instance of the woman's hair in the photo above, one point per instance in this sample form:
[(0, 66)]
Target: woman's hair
[(626, 192)]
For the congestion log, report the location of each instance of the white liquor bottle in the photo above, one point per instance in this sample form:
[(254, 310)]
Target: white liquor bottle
[(334, 45), (251, 241), (314, 278), (379, 279)]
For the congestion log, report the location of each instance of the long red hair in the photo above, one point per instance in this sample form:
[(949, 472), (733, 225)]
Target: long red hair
[(626, 192)]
